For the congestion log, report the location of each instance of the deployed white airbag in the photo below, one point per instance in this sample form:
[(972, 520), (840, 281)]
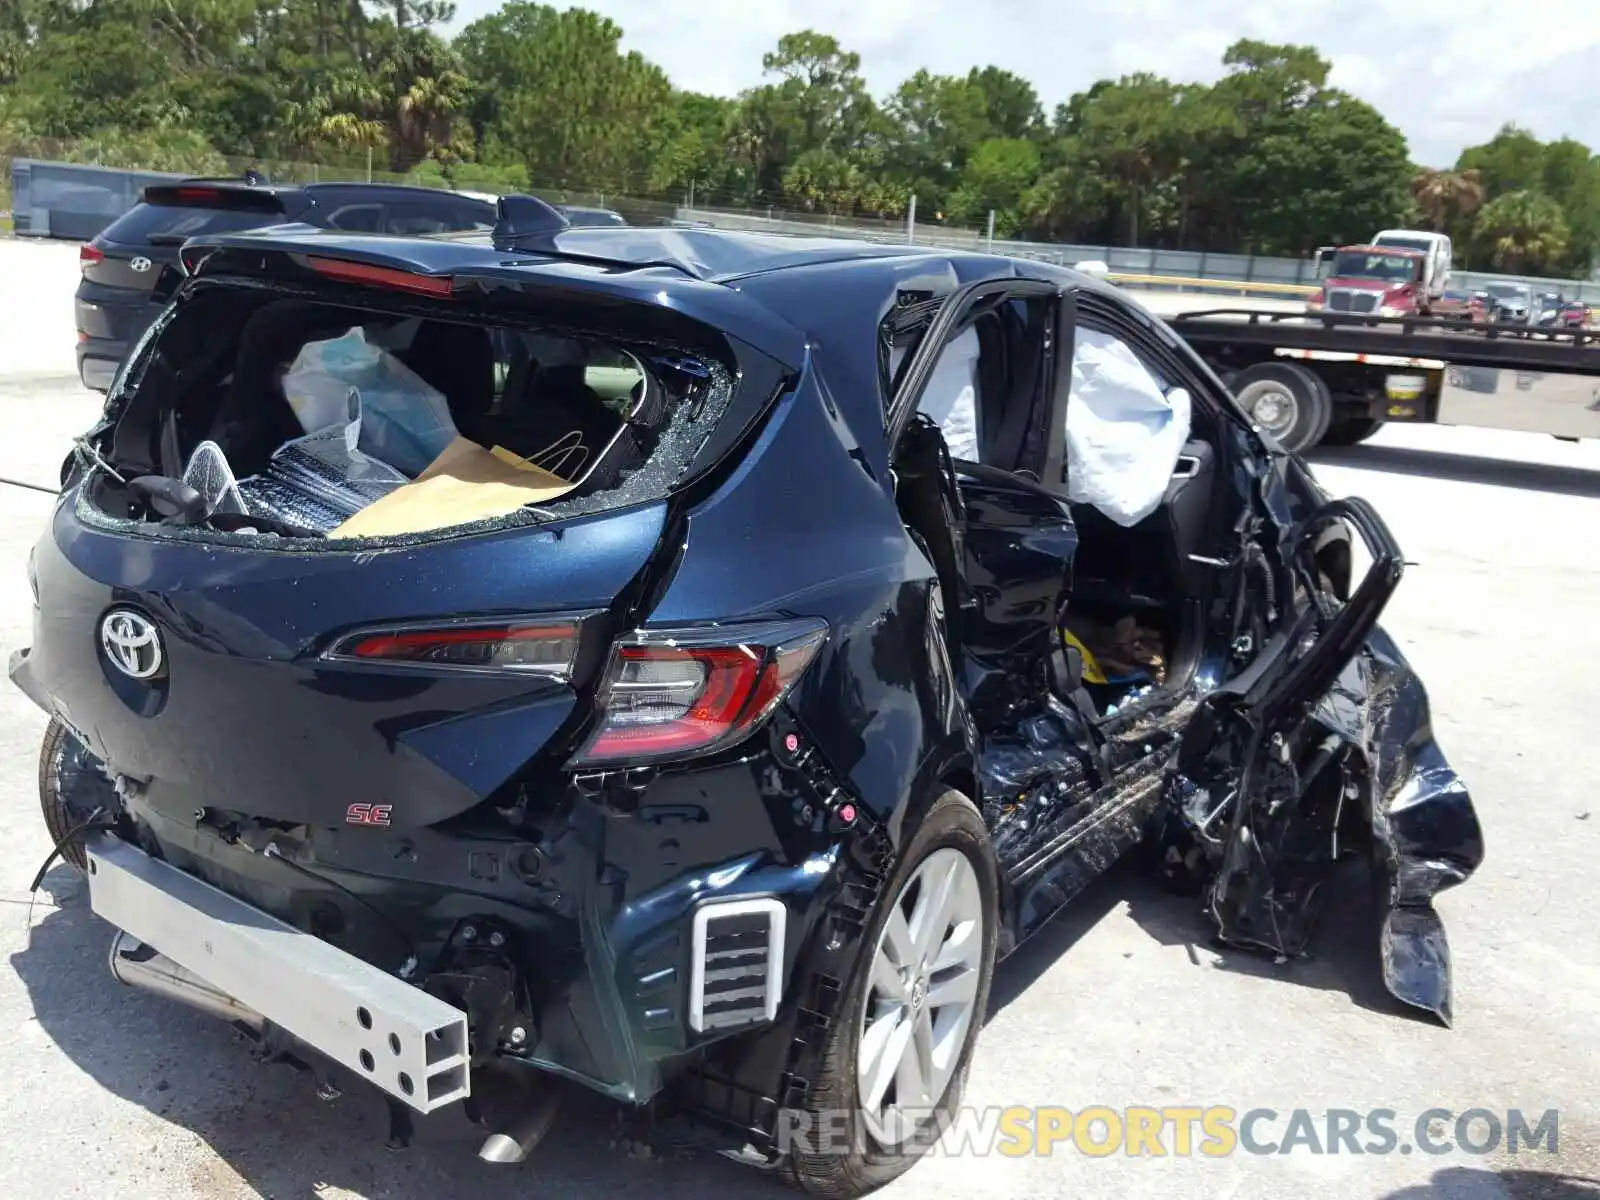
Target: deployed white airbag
[(1124, 431), (950, 397)]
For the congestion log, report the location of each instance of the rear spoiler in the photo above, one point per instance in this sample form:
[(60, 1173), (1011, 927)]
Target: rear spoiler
[(640, 304), (208, 193)]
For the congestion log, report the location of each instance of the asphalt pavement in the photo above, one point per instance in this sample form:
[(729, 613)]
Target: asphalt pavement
[(1120, 1002)]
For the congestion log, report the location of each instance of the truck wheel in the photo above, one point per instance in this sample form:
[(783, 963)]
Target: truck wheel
[(896, 1060), (1287, 401), (1350, 431)]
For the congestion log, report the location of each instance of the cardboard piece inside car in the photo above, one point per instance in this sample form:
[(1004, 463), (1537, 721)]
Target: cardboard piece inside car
[(465, 483)]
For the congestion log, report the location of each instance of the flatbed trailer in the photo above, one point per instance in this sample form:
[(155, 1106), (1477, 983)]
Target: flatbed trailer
[(1336, 379)]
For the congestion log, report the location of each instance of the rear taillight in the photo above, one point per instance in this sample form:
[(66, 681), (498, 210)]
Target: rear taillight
[(89, 255), (679, 693), (527, 647)]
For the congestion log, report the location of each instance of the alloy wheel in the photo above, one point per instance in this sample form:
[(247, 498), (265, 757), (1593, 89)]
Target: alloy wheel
[(921, 997)]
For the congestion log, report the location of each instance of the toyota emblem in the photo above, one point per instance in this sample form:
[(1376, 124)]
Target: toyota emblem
[(140, 263), (132, 643)]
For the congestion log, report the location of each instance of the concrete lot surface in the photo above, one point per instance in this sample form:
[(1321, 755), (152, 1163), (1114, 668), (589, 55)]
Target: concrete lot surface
[(1121, 1002)]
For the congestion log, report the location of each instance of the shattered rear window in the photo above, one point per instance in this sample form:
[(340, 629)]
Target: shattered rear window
[(302, 412)]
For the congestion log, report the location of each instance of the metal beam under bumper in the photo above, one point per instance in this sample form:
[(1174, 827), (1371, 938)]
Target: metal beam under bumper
[(411, 1045)]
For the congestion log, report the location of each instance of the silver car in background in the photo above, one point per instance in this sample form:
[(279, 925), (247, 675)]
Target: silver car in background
[(1510, 303)]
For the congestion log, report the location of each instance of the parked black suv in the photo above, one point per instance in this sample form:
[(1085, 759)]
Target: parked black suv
[(119, 296)]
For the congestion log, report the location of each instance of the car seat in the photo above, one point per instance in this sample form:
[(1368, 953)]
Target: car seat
[(457, 361), (557, 421), (254, 417)]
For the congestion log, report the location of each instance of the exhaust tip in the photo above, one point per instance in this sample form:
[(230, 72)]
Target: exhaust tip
[(125, 948), (523, 1114), (502, 1148), (142, 966)]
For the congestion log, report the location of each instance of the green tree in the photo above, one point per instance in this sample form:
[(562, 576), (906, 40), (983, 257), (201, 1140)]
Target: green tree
[(1335, 171), (1267, 80), (1071, 201), (995, 179), (821, 179), (1269, 158), (1126, 130), (1572, 180), (1566, 171), (932, 123), (695, 135), (555, 92), (823, 86), (1511, 161), (1523, 231), (1301, 163), (1010, 104), (819, 102)]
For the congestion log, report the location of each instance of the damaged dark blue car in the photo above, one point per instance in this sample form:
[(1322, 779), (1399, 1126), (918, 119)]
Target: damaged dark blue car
[(779, 632)]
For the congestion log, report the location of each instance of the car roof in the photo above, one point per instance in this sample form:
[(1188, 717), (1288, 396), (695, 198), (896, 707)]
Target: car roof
[(776, 292), (1406, 251), (376, 190), (708, 255), (405, 190), (1424, 234)]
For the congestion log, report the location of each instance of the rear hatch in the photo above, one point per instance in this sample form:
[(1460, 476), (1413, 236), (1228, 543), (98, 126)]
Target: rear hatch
[(292, 677), (122, 266), (246, 709)]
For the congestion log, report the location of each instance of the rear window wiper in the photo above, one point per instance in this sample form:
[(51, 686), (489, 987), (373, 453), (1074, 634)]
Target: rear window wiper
[(168, 239)]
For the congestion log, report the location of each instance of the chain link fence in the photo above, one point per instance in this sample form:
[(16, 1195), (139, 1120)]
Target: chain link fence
[(1184, 270)]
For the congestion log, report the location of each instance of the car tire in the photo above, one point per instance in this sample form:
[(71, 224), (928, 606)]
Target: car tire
[(60, 746), (1294, 404), (853, 1148), (1350, 431)]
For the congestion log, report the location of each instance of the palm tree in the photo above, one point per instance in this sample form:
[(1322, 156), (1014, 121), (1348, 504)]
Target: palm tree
[(1446, 194), (423, 116), (1523, 231)]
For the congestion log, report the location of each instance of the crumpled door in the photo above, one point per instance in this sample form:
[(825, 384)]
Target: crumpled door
[(1327, 724)]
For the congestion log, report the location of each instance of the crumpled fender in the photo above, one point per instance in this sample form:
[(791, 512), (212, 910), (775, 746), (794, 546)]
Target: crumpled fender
[(1366, 739), (1425, 831)]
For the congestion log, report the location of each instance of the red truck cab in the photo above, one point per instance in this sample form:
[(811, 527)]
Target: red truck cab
[(1383, 281)]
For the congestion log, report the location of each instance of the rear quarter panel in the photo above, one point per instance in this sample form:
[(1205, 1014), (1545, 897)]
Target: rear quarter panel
[(806, 527)]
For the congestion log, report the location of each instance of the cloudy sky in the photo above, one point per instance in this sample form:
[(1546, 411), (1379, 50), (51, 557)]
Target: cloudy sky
[(1447, 74)]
